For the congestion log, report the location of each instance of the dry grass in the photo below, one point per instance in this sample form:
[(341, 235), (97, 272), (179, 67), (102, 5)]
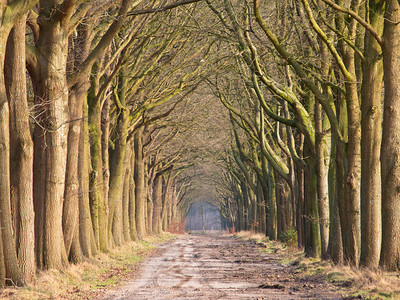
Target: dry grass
[(371, 284), (250, 235), (90, 278), (368, 284)]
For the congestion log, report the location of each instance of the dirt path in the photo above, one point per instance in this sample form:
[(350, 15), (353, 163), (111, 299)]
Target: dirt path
[(219, 267)]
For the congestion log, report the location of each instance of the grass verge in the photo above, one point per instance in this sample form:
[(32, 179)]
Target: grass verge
[(353, 283), (90, 278)]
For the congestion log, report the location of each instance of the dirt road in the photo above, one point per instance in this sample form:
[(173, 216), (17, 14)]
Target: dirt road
[(219, 267)]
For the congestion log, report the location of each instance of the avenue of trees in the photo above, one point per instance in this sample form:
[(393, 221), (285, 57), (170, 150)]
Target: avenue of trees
[(109, 127), (312, 88), (88, 89)]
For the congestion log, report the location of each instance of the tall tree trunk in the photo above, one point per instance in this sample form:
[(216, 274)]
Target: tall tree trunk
[(78, 97), (272, 216), (132, 191), (86, 233), (125, 196), (261, 206), (335, 234), (4, 159), (53, 93), (371, 134), (157, 201), (2, 264), (99, 207), (105, 156), (71, 194), (167, 204), (9, 252), (38, 187), (148, 187), (352, 236), (312, 233), (116, 175), (351, 231), (140, 194), (21, 149), (390, 151), (322, 181)]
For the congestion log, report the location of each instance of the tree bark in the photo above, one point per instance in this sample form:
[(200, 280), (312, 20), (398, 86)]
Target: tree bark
[(9, 252), (312, 233), (86, 233), (53, 92), (73, 210), (132, 199), (371, 135), (335, 233), (148, 187), (140, 195), (21, 149), (125, 197), (116, 175), (322, 181), (99, 208), (351, 232), (390, 151), (157, 201), (272, 224), (167, 204)]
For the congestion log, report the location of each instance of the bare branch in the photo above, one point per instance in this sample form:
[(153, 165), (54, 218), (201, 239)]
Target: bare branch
[(160, 9)]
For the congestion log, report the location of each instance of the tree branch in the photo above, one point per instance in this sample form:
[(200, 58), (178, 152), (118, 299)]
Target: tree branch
[(360, 20), (160, 9)]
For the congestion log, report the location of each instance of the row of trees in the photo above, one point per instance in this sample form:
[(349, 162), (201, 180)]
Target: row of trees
[(312, 88), (91, 96), (97, 99)]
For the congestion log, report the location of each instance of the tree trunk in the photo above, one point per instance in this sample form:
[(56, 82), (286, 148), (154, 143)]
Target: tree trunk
[(2, 265), (71, 194), (148, 187), (140, 194), (322, 181), (167, 204), (260, 206), (86, 233), (21, 149), (53, 93), (116, 175), (9, 252), (38, 187), (352, 235), (351, 232), (125, 197), (312, 233), (132, 199), (105, 156), (390, 151), (4, 159), (157, 201), (99, 208), (272, 216), (335, 234), (73, 190), (371, 134)]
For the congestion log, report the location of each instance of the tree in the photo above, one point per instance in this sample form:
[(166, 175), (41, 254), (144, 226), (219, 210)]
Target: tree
[(390, 256), (10, 13)]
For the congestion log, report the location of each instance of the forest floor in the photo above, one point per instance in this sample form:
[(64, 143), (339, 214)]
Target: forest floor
[(208, 266)]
